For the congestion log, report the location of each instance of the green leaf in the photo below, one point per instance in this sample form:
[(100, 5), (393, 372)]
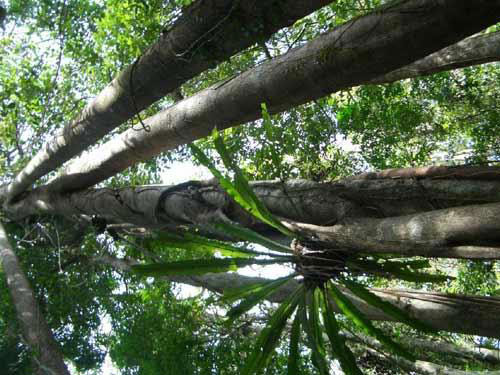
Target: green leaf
[(388, 308), (351, 312), (269, 338), (294, 354), (204, 160), (240, 190), (398, 270), (267, 123), (340, 351), (418, 264), (310, 322), (201, 266), (234, 294), (253, 296), (314, 311), (246, 234), (189, 241)]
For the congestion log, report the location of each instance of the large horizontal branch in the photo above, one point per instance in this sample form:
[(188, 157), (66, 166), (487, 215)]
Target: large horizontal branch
[(427, 217), (419, 234), (392, 192), (453, 313), (207, 33), (477, 50), (34, 327), (299, 200), (350, 55)]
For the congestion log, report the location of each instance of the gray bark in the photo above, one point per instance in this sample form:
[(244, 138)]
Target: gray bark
[(420, 367), (426, 216), (477, 50), (476, 353), (351, 54), (453, 313), (207, 33), (413, 234), (458, 172), (36, 332)]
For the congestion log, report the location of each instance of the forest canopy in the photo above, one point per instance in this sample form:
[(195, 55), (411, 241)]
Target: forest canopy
[(255, 187)]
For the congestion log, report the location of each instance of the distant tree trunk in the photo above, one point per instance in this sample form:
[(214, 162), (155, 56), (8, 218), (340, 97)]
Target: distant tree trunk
[(352, 54), (208, 32), (36, 332), (478, 354), (439, 215), (427, 346), (419, 367), (454, 313)]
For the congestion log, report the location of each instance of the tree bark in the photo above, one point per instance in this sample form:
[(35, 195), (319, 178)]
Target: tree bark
[(477, 50), (350, 55), (478, 354), (36, 332), (453, 313), (436, 217), (459, 172), (207, 33), (410, 235), (422, 367)]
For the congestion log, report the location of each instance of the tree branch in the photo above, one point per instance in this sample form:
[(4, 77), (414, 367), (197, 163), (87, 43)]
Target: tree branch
[(453, 313), (331, 62)]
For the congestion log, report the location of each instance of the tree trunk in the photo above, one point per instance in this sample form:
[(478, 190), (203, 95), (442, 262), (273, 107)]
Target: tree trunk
[(350, 55), (422, 367), (438, 216), (207, 33), (478, 354), (36, 333), (453, 313)]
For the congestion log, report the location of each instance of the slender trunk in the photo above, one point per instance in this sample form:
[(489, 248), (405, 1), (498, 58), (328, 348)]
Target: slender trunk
[(351, 54), (453, 313), (207, 33), (427, 216), (421, 367), (36, 333), (478, 354)]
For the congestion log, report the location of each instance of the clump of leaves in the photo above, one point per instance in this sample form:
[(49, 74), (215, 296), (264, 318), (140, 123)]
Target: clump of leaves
[(326, 281)]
